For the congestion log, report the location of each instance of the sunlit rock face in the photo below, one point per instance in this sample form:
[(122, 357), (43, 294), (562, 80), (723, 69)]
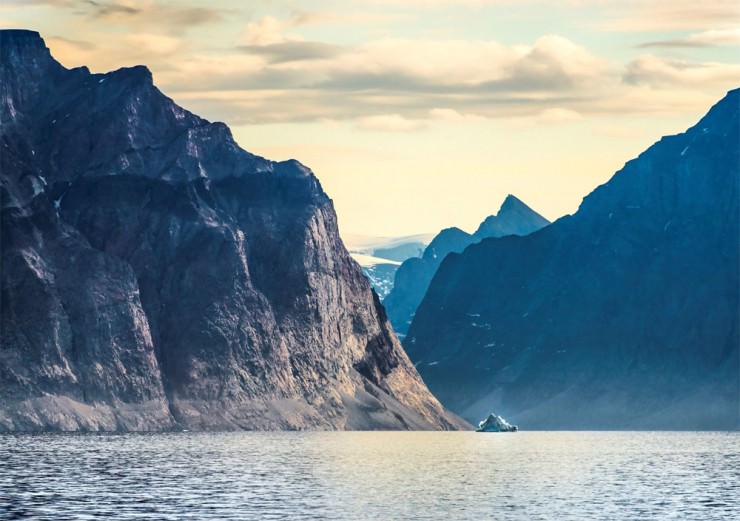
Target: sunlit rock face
[(157, 276), (624, 315), (414, 276)]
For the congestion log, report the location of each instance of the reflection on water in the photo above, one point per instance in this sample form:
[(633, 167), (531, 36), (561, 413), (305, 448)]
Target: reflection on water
[(385, 476)]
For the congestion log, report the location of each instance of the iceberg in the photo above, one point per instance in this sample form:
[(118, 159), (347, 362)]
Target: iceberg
[(495, 423)]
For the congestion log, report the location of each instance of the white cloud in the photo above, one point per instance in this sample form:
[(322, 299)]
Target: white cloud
[(274, 75), (268, 30), (653, 70), (710, 38), (668, 15), (158, 44), (452, 115), (389, 123), (558, 115)]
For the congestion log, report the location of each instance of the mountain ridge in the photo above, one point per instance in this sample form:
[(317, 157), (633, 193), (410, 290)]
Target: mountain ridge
[(156, 276), (622, 315), (413, 277)]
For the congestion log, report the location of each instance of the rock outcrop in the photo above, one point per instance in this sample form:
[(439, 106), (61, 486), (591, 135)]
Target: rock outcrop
[(157, 276), (413, 277), (623, 315)]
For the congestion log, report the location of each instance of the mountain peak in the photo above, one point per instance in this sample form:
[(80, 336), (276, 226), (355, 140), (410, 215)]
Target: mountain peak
[(25, 64), (182, 278), (9, 35), (637, 291), (511, 199), (138, 72), (513, 218), (21, 43), (722, 115)]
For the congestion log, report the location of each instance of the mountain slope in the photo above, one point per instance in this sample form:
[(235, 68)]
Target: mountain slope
[(414, 275), (624, 315), (157, 276)]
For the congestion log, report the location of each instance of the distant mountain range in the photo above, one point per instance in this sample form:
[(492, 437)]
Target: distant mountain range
[(412, 278), (623, 315), (380, 257), (156, 276)]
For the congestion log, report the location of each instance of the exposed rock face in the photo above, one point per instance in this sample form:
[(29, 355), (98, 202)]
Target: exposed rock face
[(157, 276), (414, 275), (624, 315)]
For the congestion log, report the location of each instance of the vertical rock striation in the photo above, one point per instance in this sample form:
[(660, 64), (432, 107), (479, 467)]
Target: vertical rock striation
[(157, 276)]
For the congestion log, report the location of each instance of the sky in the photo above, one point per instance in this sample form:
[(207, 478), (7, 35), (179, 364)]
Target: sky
[(417, 115)]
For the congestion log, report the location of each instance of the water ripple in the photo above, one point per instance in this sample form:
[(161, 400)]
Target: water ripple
[(373, 476)]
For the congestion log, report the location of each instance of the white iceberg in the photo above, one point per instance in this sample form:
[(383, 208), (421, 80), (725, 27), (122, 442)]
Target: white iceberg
[(495, 423)]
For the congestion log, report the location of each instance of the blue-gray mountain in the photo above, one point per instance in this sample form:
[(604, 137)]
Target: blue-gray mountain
[(157, 276), (623, 315), (413, 276)]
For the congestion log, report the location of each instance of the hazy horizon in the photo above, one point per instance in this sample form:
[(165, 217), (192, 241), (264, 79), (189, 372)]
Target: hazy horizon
[(418, 115)]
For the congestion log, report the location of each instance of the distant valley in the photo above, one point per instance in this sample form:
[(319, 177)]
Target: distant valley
[(380, 257)]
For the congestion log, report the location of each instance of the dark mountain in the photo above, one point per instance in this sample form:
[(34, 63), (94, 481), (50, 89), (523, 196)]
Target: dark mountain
[(414, 275), (513, 218), (157, 276), (624, 315)]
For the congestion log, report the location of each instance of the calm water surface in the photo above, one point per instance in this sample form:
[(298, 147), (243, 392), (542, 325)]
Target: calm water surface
[(384, 476)]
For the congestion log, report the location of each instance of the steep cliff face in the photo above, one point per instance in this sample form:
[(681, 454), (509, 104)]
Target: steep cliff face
[(414, 275), (624, 315), (156, 276)]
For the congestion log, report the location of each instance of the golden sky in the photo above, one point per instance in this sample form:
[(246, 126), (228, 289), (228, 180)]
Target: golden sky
[(421, 114)]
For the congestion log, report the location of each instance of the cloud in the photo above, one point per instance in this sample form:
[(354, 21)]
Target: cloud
[(284, 52), (710, 38), (551, 63), (415, 80), (40, 3), (156, 14), (452, 115), (156, 44), (81, 45), (102, 10), (268, 30), (271, 73), (667, 15), (389, 123), (557, 115), (655, 71)]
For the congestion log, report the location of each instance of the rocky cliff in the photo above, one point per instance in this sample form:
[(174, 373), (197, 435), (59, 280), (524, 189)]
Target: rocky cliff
[(413, 277), (157, 276), (624, 315)]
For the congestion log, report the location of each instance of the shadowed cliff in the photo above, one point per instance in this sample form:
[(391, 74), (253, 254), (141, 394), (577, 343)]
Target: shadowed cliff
[(157, 276)]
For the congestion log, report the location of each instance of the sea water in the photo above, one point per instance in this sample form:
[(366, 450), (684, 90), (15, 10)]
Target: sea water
[(372, 475)]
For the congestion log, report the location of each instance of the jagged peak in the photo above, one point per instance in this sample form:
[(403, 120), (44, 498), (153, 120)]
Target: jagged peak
[(452, 231), (512, 210), (512, 202), (133, 73), (721, 113), (21, 35), (18, 46)]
